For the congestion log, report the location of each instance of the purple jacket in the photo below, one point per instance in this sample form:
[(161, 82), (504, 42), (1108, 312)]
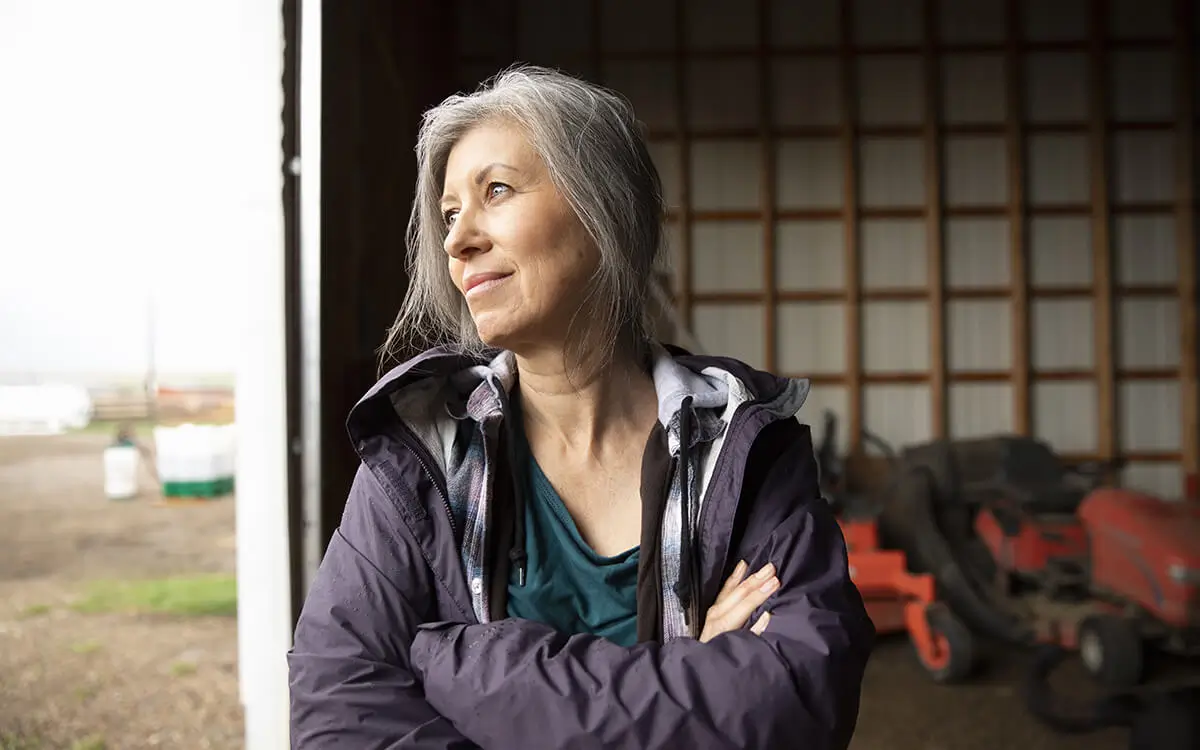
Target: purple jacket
[(402, 644)]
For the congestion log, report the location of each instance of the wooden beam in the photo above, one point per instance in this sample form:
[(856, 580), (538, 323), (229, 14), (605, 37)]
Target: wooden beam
[(766, 96), (1185, 232), (1102, 265), (935, 254), (1018, 250), (850, 210), (684, 251)]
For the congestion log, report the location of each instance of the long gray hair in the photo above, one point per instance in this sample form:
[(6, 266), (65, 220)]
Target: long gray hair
[(595, 151)]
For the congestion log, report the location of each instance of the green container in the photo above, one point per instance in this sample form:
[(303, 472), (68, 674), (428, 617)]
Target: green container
[(212, 488)]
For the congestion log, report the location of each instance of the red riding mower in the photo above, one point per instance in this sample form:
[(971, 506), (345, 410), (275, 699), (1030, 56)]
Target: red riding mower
[(1030, 550), (896, 600)]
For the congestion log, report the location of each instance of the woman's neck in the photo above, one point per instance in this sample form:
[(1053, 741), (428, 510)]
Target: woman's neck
[(585, 408)]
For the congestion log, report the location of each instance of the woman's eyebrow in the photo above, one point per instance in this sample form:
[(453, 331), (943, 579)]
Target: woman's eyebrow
[(483, 173)]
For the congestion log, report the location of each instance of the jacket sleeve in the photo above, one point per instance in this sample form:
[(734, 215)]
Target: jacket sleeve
[(350, 679), (797, 685)]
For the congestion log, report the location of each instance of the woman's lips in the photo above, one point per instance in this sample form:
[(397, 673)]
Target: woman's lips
[(481, 283)]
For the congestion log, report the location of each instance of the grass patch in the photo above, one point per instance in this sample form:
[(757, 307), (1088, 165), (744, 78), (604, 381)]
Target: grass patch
[(91, 742), (87, 647), (192, 596), (34, 610), (19, 741), (183, 669)]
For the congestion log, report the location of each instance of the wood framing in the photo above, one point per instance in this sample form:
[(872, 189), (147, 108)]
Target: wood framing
[(1018, 252), (1102, 284), (683, 254), (1185, 231), (850, 217), (934, 248), (767, 189)]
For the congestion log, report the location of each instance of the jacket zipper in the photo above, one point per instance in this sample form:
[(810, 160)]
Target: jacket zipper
[(419, 450)]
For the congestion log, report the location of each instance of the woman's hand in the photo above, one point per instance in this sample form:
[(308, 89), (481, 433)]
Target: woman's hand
[(738, 600)]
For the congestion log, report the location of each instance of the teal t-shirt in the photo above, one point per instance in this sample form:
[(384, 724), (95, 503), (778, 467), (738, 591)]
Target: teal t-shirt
[(567, 584)]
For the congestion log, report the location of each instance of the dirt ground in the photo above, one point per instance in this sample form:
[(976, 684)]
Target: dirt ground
[(92, 681), (75, 681)]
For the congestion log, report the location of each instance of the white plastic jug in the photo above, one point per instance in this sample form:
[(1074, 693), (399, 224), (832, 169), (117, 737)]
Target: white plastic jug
[(121, 463)]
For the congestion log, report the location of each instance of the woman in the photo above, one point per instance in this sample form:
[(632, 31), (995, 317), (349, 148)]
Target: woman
[(563, 534)]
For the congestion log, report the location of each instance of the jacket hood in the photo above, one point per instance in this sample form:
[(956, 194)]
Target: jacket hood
[(709, 380)]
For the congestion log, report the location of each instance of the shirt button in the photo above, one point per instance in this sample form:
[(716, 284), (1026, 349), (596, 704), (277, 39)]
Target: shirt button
[(477, 585)]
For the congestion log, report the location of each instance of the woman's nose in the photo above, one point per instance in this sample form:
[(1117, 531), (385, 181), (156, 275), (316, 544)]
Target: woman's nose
[(465, 237)]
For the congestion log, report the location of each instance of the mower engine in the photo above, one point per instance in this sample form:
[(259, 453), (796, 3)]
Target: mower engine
[(1048, 551), (1146, 552)]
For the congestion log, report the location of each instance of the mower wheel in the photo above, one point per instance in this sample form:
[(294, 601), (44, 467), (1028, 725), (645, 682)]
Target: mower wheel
[(1110, 648), (955, 659)]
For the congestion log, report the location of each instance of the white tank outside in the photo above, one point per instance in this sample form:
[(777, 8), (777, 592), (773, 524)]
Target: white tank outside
[(121, 464)]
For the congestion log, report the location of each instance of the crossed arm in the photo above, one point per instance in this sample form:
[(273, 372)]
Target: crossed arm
[(366, 673)]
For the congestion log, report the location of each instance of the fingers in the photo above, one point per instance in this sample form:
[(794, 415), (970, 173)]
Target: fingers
[(734, 579), (734, 607), (760, 625)]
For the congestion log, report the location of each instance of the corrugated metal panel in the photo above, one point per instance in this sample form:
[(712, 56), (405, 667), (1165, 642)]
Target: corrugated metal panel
[(893, 172), (891, 90), (667, 158), (977, 253), (1143, 84), (976, 171), (1059, 169), (893, 253), (888, 21), (981, 21), (1058, 21), (1064, 415), (1056, 87), (805, 22), (1160, 480), (1143, 166), (979, 335), (725, 174), (978, 409), (972, 88), (717, 24), (812, 337), (727, 256), (895, 336), (671, 254), (1149, 416), (1060, 250), (810, 173), (649, 86), (722, 94), (900, 414), (835, 399), (551, 30), (1148, 332), (1062, 335), (807, 91), (1141, 19), (809, 255), (1145, 249), (635, 25), (731, 331)]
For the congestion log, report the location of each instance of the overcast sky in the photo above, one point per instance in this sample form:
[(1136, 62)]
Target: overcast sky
[(136, 159)]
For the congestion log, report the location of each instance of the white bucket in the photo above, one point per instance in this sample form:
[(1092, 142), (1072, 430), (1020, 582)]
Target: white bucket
[(121, 463)]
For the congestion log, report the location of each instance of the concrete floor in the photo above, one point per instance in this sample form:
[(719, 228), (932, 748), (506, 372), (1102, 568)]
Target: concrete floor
[(904, 710)]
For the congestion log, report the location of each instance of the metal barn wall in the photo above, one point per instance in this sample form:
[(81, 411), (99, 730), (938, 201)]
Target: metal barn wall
[(956, 218)]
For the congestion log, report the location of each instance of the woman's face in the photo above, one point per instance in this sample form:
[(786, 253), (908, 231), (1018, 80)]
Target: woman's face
[(517, 251)]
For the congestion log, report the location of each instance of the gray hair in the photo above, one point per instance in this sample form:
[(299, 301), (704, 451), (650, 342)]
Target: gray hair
[(595, 151)]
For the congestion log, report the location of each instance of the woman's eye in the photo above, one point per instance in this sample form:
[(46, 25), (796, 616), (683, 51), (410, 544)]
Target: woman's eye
[(449, 216), (496, 188)]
